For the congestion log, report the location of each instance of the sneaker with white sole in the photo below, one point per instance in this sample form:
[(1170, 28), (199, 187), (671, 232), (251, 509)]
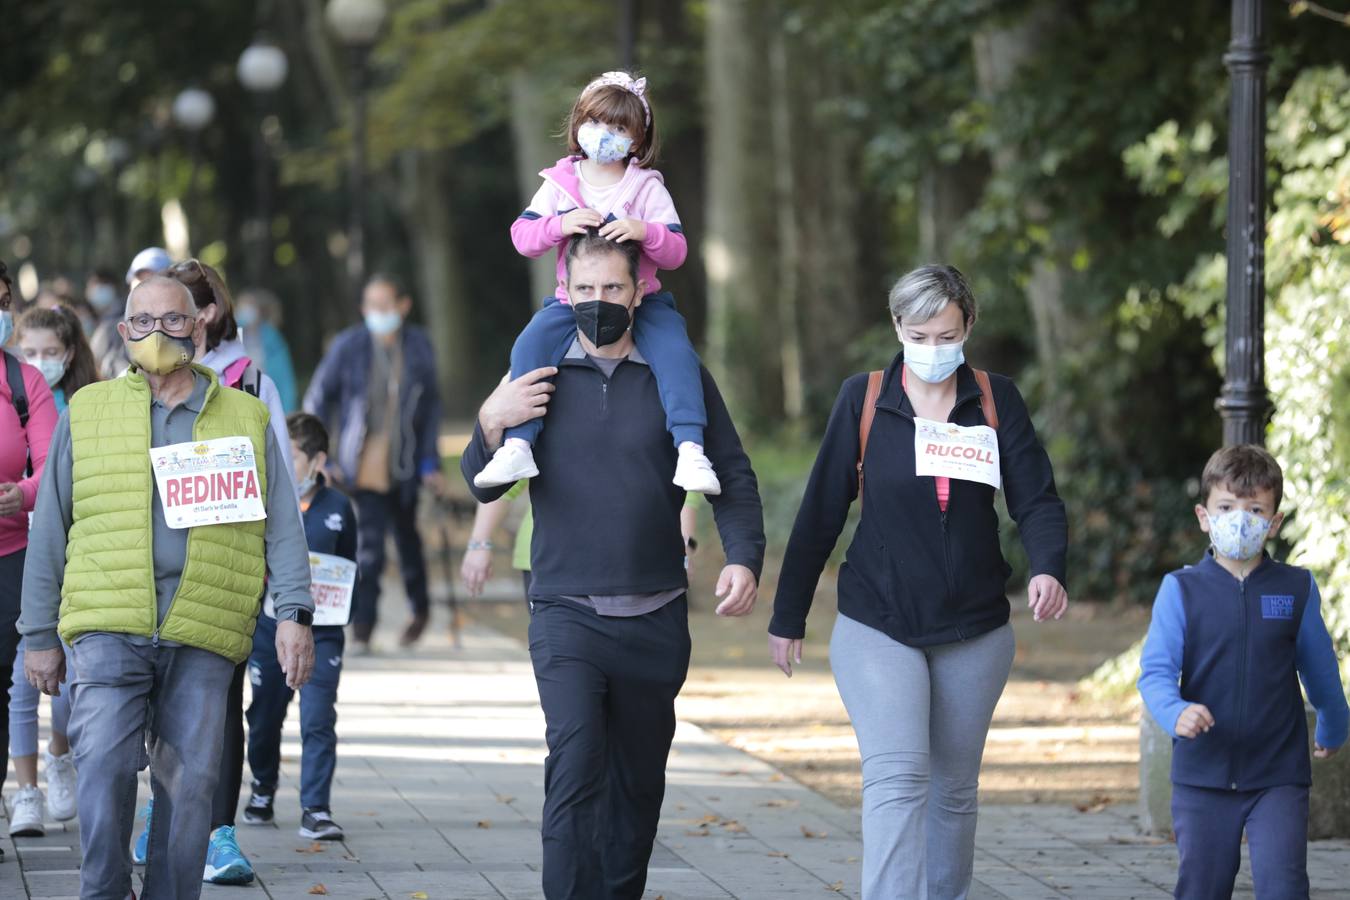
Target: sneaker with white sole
[(25, 813), (259, 809), (513, 461), (317, 824), (60, 786), (225, 862), (694, 472)]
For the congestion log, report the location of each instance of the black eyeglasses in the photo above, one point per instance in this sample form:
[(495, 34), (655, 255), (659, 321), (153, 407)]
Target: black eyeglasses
[(176, 324)]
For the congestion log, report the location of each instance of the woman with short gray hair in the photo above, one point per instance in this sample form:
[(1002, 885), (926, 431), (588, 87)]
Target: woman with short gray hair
[(922, 646)]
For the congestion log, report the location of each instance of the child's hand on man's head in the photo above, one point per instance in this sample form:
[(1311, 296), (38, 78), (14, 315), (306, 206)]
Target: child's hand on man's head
[(578, 220), (1193, 720), (621, 230)]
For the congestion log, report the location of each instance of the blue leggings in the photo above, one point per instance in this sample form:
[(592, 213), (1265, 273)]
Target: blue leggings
[(663, 341)]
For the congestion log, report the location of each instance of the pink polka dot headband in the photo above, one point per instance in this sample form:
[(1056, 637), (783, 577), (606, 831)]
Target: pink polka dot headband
[(636, 87)]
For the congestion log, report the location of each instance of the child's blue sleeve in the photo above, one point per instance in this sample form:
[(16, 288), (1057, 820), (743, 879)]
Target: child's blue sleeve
[(1160, 662), (1321, 673)]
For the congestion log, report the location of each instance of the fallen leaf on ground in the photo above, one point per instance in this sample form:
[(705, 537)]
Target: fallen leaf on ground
[(776, 776), (734, 827), (315, 847), (837, 887), (419, 895), (710, 818), (505, 799), (734, 772), (318, 889), (1098, 803), (808, 833), (776, 804), (484, 823), (778, 853), (697, 833)]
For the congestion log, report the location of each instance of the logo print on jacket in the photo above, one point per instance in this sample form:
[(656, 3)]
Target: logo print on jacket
[(1277, 606)]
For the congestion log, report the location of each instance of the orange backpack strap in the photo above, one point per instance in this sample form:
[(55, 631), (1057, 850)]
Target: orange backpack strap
[(869, 411), (987, 399)]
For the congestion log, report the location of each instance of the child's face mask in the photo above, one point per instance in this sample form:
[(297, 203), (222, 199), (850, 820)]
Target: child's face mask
[(1238, 534), (601, 144)]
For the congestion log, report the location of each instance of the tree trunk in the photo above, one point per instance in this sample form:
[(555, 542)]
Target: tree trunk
[(533, 107), (427, 208), (741, 244)]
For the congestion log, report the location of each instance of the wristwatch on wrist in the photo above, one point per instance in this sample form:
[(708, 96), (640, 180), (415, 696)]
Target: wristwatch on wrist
[(479, 545), (296, 614)]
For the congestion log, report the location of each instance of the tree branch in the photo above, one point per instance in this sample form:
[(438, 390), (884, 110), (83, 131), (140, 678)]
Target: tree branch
[(1299, 7)]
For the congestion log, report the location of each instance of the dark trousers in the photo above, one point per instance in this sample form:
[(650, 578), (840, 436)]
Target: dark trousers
[(663, 340), (376, 512), (318, 713), (1209, 824), (607, 686), (11, 585), (226, 800)]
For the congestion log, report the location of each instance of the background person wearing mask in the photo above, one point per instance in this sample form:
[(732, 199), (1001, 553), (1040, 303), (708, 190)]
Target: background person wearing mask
[(51, 340), (155, 637), (27, 417), (110, 353), (259, 316), (376, 390), (103, 299)]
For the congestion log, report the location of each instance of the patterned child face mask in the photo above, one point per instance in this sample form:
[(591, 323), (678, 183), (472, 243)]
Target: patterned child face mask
[(1237, 534), (602, 145)]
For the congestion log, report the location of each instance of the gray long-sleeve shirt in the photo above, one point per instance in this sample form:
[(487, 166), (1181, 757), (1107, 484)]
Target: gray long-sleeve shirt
[(45, 566)]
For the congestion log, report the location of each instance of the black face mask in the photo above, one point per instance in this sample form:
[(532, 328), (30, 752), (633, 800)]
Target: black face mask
[(602, 323)]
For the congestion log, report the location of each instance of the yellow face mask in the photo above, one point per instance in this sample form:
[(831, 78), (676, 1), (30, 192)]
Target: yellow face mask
[(159, 353)]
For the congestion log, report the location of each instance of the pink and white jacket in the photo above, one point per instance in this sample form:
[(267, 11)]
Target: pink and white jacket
[(642, 195)]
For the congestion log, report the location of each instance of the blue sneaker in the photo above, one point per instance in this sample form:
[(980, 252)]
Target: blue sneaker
[(225, 862), (143, 839)]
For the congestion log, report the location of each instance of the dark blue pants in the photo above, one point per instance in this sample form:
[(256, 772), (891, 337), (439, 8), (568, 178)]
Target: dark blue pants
[(318, 712), (607, 686), (1209, 824), (662, 339), (375, 513)]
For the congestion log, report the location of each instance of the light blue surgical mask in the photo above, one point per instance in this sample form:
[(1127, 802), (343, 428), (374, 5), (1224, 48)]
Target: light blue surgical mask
[(6, 327), (381, 324), (102, 297), (1238, 534), (934, 363)]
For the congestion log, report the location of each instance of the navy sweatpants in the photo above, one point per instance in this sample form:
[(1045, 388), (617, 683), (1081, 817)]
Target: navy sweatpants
[(607, 686), (1209, 824), (663, 340), (318, 713)]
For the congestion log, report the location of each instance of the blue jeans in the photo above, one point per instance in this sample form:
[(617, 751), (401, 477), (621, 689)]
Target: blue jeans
[(318, 713), (125, 697), (377, 513), (23, 711), (1209, 823), (663, 341)]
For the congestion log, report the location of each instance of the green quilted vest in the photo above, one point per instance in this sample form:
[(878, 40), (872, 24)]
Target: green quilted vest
[(110, 577)]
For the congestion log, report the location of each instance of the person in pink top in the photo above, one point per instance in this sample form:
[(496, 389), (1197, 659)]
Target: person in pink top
[(27, 418), (607, 182)]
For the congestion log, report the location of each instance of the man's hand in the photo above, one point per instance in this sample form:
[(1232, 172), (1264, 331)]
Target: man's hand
[(45, 669), (578, 220), (1047, 598), (738, 589), (1193, 720), (295, 652), (784, 652), (436, 483), (476, 570), (11, 499), (621, 230), (1324, 752), (514, 402)]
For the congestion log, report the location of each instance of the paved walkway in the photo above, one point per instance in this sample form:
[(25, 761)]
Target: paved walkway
[(439, 786)]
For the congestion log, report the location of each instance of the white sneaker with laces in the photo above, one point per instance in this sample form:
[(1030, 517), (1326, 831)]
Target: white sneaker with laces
[(25, 813), (513, 461), (60, 786), (694, 472)]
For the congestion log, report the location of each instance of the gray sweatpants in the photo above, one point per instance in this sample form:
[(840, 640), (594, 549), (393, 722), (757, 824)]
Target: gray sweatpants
[(921, 716), (117, 687)]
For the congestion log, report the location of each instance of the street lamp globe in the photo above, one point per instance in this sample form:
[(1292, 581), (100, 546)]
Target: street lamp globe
[(193, 109), (356, 22), (262, 67)]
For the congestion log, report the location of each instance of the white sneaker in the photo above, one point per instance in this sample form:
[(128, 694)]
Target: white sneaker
[(60, 786), (513, 461), (694, 473), (25, 813)]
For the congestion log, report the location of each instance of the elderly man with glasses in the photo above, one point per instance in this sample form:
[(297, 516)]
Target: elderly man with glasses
[(164, 502)]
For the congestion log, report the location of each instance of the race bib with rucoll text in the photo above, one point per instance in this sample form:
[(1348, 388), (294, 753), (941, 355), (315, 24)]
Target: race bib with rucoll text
[(331, 580), (957, 451), (211, 482)]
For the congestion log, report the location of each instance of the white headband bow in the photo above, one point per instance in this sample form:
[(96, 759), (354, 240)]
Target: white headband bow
[(637, 88)]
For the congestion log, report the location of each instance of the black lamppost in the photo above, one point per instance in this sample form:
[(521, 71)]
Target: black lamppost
[(1243, 403), (261, 69), (357, 24)]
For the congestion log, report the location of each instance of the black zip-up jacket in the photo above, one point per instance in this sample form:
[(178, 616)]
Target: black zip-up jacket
[(606, 515), (919, 575)]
